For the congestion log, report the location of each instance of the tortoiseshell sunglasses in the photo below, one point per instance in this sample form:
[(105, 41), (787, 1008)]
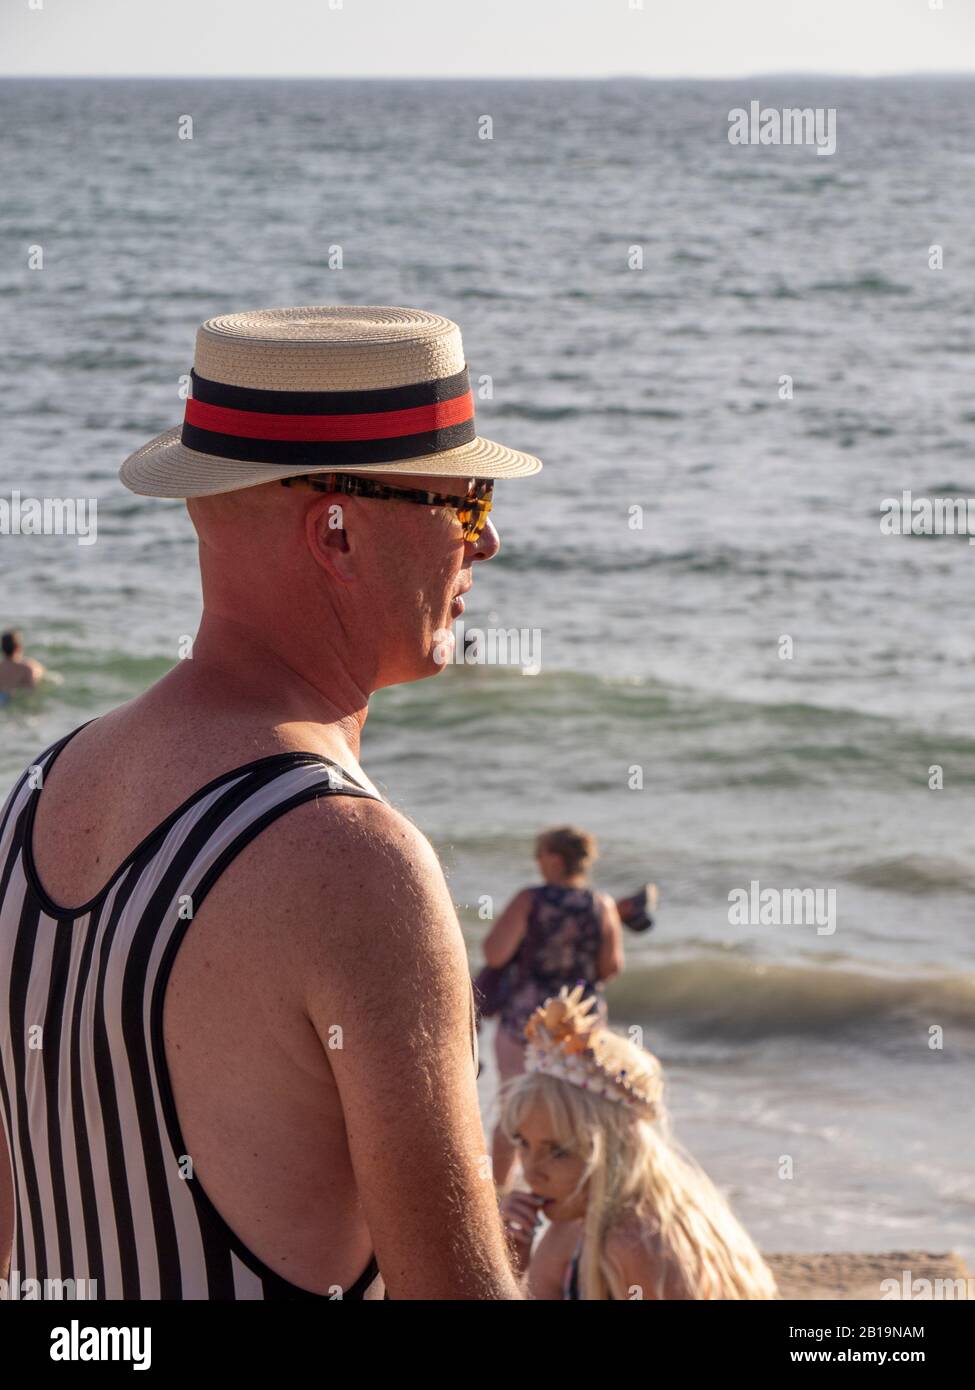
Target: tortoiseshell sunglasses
[(472, 510)]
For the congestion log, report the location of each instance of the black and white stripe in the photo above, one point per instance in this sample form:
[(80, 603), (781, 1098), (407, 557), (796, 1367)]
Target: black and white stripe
[(90, 1120)]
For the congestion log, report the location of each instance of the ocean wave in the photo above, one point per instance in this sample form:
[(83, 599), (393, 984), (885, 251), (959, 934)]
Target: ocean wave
[(100, 360), (526, 411), (715, 996), (777, 292), (750, 563), (817, 733), (863, 284), (915, 873)]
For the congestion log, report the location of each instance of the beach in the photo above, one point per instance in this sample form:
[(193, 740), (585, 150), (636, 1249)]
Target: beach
[(846, 1276), (687, 520), (823, 1276)]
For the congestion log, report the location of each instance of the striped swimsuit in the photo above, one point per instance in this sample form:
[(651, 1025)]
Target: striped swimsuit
[(102, 1190)]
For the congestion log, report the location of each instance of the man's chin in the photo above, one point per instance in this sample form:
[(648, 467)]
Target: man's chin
[(442, 648), (406, 675), (428, 659)]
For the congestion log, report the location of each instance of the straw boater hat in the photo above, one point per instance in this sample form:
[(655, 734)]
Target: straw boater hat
[(333, 387)]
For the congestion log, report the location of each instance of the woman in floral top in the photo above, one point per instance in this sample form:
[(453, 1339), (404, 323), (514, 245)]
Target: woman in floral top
[(558, 933)]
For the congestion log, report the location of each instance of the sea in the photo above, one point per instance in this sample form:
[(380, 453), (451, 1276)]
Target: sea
[(730, 357)]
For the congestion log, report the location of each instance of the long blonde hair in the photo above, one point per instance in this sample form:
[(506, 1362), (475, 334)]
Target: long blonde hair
[(634, 1166)]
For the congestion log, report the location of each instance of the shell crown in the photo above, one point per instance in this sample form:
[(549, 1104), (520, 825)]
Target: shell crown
[(566, 1040)]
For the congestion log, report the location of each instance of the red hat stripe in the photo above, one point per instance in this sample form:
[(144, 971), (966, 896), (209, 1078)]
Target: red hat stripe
[(382, 424)]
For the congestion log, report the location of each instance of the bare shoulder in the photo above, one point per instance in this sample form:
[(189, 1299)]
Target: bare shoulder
[(357, 823), (638, 1254), (356, 846), (517, 909), (351, 885)]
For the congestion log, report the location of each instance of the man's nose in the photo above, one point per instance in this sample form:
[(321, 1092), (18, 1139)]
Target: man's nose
[(488, 542)]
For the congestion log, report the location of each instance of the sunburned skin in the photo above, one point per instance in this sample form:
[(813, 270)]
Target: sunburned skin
[(336, 915)]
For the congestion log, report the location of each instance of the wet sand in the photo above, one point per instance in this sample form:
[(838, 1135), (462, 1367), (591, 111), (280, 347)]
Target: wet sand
[(917, 1274)]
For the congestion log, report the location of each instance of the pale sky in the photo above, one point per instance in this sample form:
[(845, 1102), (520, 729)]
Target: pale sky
[(484, 38)]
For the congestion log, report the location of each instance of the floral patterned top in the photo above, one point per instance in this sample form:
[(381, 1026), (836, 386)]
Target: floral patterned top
[(560, 947)]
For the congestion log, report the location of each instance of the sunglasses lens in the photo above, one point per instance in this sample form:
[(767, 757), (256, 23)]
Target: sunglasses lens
[(473, 518)]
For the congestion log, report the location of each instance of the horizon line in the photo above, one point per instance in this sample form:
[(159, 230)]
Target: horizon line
[(479, 77)]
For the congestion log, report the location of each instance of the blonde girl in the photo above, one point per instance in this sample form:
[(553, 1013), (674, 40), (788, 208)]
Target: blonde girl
[(631, 1215)]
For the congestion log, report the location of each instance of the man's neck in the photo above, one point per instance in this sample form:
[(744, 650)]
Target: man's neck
[(230, 661)]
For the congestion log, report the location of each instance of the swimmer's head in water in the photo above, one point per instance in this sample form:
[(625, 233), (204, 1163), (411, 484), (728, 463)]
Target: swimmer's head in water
[(12, 643)]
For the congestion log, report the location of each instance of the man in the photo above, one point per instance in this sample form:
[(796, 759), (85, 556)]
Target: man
[(17, 672), (256, 1077)]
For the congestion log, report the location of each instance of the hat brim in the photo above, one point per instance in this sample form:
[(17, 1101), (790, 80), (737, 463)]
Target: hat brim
[(166, 468)]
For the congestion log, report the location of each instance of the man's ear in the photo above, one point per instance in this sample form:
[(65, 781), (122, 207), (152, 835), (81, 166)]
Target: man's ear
[(328, 541)]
